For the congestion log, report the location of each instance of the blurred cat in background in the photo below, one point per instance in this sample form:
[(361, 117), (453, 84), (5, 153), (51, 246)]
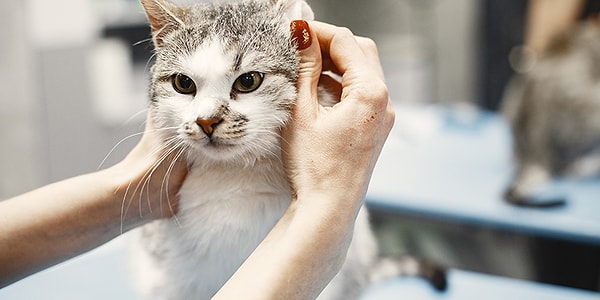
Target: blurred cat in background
[(554, 113)]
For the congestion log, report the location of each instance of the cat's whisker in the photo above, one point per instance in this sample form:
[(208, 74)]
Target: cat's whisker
[(173, 145), (170, 146), (127, 138), (127, 201), (171, 165), (117, 145), (135, 115), (125, 208), (181, 151)]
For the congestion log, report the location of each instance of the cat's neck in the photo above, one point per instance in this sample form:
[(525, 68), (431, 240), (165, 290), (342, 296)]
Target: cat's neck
[(269, 162)]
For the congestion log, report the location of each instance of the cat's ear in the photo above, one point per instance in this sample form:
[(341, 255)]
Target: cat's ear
[(294, 10), (162, 17)]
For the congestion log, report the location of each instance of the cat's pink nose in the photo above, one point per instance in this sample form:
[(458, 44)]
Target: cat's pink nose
[(208, 124)]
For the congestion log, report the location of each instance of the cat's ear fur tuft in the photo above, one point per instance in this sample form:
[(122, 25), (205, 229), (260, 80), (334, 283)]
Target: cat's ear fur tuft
[(294, 10), (162, 16)]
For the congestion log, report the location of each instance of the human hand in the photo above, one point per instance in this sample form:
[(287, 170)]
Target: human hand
[(150, 177), (329, 154), (333, 150)]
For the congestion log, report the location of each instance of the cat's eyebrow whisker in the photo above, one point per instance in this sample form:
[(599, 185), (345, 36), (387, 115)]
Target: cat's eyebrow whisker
[(147, 40), (149, 61)]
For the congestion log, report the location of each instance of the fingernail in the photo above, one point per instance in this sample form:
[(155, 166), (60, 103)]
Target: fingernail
[(301, 33)]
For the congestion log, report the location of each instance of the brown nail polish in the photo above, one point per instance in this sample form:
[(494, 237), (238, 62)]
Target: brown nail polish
[(301, 33)]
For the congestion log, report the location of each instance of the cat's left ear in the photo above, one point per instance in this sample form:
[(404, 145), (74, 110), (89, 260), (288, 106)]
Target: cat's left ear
[(163, 17), (294, 10)]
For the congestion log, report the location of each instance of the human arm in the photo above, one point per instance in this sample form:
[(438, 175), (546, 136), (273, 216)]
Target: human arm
[(329, 154), (59, 221), (547, 18)]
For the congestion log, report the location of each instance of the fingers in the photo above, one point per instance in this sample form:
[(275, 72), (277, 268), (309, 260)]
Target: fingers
[(337, 144), (309, 71), (369, 48), (339, 44), (355, 59), (342, 50)]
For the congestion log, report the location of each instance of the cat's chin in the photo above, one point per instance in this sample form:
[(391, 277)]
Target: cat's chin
[(215, 153)]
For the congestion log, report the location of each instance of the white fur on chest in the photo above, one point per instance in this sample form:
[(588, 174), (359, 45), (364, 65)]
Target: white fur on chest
[(238, 205), (224, 213)]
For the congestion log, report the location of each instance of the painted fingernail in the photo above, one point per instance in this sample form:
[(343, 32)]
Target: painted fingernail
[(301, 33)]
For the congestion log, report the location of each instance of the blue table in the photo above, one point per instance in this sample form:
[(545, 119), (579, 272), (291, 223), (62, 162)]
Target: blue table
[(453, 164), (464, 285), (102, 274)]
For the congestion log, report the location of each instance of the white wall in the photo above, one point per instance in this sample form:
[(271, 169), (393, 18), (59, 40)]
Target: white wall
[(428, 47), (51, 126), (20, 112)]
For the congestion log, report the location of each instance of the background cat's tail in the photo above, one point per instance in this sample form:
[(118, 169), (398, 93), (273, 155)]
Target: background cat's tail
[(405, 265)]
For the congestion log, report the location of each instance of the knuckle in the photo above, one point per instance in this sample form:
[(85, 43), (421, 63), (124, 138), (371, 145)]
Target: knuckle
[(344, 32), (390, 117), (367, 44), (379, 91), (374, 92)]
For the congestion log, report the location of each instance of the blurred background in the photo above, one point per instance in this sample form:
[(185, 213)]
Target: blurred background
[(73, 85), (73, 76)]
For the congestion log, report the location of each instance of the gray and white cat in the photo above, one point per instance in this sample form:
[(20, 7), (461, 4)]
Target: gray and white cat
[(554, 113), (222, 86)]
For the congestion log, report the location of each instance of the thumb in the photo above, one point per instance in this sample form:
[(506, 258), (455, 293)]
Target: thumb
[(309, 70)]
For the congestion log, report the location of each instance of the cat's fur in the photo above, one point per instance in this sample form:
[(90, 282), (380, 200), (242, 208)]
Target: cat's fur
[(554, 113), (236, 188)]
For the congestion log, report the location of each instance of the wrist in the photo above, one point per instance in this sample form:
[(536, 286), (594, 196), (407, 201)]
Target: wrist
[(334, 192), (328, 208)]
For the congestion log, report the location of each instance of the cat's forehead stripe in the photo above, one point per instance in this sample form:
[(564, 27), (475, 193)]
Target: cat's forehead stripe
[(210, 60)]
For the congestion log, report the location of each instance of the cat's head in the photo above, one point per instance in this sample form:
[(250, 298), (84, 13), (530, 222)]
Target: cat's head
[(224, 77)]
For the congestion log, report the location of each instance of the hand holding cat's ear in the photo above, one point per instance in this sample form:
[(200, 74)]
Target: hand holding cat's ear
[(330, 149)]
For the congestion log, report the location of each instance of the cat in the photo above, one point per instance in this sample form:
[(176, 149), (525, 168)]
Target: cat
[(222, 85), (554, 114)]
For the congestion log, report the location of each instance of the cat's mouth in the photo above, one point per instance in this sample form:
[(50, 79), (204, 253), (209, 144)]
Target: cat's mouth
[(213, 148), (217, 143), (204, 134)]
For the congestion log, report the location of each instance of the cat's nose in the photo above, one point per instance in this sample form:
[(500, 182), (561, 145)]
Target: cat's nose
[(208, 124)]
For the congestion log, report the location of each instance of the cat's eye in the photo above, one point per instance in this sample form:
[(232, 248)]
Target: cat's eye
[(248, 82), (183, 84)]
